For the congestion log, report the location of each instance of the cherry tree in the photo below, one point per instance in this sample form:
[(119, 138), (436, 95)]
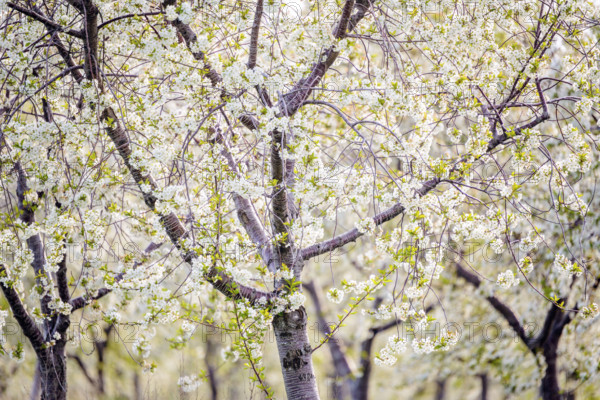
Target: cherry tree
[(236, 144)]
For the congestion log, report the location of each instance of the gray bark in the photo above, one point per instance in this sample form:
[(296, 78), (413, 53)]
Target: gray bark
[(295, 354)]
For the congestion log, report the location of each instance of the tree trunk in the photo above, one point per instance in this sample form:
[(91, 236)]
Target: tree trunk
[(100, 347), (484, 386), (137, 386), (295, 355), (35, 387), (53, 373), (550, 388), (340, 388), (360, 391), (209, 359), (440, 391)]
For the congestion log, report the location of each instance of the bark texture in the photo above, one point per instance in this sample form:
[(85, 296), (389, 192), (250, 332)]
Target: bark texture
[(53, 373), (295, 355)]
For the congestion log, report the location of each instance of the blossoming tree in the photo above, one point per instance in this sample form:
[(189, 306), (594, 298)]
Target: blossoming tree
[(237, 142)]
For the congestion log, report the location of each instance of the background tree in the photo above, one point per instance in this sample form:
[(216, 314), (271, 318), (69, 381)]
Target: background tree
[(236, 145)]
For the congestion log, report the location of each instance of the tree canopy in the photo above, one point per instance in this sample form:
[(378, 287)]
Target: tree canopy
[(422, 173)]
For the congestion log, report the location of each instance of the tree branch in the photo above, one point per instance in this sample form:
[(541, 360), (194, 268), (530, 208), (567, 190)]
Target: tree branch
[(90, 14), (50, 25), (25, 321), (294, 99), (190, 37), (120, 17), (78, 4), (351, 235), (340, 30), (538, 120), (253, 52), (34, 242), (362, 6), (279, 204), (340, 361), (498, 305), (82, 301), (247, 215), (397, 209), (171, 223), (64, 53), (61, 275), (85, 299)]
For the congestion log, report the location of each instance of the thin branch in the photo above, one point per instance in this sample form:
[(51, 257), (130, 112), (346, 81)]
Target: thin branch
[(397, 209), (61, 275), (498, 305), (66, 56), (247, 215), (64, 73), (538, 120), (85, 299), (133, 15), (340, 361), (51, 25), (171, 223)]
